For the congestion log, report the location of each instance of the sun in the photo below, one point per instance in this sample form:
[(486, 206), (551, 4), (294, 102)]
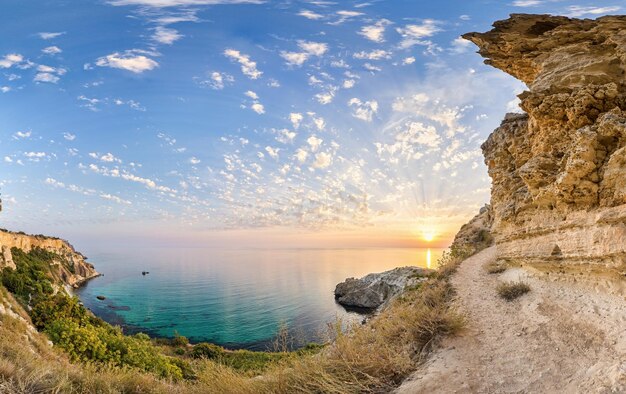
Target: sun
[(428, 236)]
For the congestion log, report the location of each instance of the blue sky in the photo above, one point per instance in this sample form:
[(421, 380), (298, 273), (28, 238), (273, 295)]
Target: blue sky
[(262, 121)]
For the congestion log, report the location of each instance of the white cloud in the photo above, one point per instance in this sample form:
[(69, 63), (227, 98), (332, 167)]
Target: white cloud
[(194, 160), (320, 123), (258, 108), (85, 191), (109, 158), (49, 36), (376, 31), (310, 48), (314, 142), (371, 67), (5, 89), (252, 95), (301, 155), (325, 97), (345, 15), (460, 45), (285, 136), (273, 152), (46, 77), (166, 35), (423, 135), (526, 3), (310, 15), (22, 135), (578, 11), (272, 83), (69, 136), (248, 67), (348, 83), (376, 54), (295, 119), (52, 50), (10, 60), (322, 160), (313, 48), (363, 110), (408, 60), (218, 80), (415, 34), (131, 60), (294, 58), (175, 3)]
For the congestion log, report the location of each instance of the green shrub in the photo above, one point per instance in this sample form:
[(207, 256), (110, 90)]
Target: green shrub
[(179, 340), (207, 350), (32, 278), (58, 307)]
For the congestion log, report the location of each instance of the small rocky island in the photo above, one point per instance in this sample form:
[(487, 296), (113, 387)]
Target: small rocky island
[(375, 290)]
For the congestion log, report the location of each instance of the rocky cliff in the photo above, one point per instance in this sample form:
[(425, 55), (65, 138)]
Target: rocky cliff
[(72, 266), (559, 170)]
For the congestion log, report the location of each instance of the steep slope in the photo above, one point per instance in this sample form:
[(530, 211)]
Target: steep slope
[(559, 171), (71, 267)]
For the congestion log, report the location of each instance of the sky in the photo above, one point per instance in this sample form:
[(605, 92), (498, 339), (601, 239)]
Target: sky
[(251, 123)]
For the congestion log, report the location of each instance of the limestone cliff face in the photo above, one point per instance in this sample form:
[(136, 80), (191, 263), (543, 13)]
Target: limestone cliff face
[(559, 171), (72, 267)]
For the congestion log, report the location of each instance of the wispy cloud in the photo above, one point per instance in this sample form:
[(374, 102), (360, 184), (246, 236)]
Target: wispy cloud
[(309, 48), (175, 3), (49, 36), (415, 34), (527, 3), (52, 50), (363, 110), (376, 54), (164, 35), (578, 11), (310, 15)]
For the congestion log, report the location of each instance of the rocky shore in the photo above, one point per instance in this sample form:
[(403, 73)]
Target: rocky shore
[(376, 290), (72, 268)]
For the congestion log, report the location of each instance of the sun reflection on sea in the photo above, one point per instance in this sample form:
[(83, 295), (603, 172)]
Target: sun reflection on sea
[(428, 259)]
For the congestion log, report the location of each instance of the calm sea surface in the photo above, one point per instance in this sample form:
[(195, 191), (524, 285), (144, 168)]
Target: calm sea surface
[(235, 298)]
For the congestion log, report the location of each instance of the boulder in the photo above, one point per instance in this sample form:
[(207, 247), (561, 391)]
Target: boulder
[(375, 290)]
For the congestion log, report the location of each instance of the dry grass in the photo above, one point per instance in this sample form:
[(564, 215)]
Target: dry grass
[(512, 290), (495, 267), (364, 358)]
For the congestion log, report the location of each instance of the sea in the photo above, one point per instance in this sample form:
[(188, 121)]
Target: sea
[(238, 299)]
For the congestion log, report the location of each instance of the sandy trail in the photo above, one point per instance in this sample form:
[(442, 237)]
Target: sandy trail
[(559, 338)]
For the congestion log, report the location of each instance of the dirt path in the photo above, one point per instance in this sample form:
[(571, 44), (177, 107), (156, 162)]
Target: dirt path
[(559, 338)]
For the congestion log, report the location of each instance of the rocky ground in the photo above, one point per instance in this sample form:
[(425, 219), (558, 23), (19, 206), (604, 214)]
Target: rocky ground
[(562, 337)]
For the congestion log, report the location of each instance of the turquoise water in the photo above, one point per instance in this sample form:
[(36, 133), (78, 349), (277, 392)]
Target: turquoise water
[(235, 298)]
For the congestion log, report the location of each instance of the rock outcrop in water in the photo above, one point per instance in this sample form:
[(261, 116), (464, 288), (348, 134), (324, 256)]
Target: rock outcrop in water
[(375, 290), (72, 269), (559, 171)]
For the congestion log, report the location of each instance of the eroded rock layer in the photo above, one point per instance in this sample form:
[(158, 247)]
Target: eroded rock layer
[(559, 171), (72, 267)]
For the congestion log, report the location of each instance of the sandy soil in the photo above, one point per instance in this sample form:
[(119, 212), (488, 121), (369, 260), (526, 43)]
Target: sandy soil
[(559, 338)]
